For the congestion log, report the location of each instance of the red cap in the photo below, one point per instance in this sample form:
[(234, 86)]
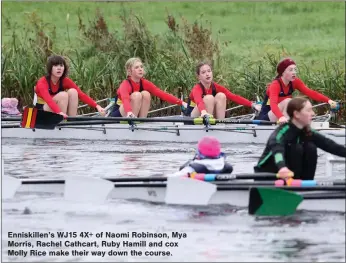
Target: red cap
[(283, 65)]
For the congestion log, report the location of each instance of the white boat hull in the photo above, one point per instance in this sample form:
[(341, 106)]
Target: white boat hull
[(237, 198), (163, 132)]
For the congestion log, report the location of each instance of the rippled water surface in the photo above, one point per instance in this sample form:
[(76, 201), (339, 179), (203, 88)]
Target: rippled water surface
[(212, 234)]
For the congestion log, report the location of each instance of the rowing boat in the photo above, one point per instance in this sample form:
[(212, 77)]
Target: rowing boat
[(164, 132), (241, 129), (182, 191)]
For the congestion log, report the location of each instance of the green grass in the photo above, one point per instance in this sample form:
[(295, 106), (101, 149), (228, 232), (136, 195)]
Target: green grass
[(308, 31), (244, 41)]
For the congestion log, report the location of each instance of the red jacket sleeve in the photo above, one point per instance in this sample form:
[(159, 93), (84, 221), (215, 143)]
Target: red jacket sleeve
[(69, 84), (274, 91), (152, 89), (299, 85), (42, 91), (197, 94), (124, 94), (230, 96)]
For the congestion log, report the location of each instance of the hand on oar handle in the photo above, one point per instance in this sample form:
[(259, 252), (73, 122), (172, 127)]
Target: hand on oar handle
[(63, 114), (101, 110), (282, 120), (334, 105), (256, 107), (130, 115), (205, 113), (184, 104), (285, 173)]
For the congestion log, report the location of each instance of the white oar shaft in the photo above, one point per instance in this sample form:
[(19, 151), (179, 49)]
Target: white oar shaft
[(234, 108), (96, 112), (85, 105), (318, 105), (168, 107)]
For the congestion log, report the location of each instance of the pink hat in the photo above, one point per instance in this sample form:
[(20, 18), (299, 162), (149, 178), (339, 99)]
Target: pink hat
[(209, 147)]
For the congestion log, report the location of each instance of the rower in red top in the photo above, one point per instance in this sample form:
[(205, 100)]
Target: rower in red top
[(210, 97), (279, 93), (134, 94), (59, 94)]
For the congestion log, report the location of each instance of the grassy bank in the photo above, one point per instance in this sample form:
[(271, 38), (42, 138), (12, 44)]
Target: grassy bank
[(244, 40)]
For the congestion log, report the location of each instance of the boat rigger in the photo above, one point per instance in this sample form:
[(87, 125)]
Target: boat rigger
[(168, 129)]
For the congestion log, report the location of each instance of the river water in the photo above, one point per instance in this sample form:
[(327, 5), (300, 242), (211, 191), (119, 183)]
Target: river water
[(210, 234)]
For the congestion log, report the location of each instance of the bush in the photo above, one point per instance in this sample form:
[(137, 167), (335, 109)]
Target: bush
[(170, 59)]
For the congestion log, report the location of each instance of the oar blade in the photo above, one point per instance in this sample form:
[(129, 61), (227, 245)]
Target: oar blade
[(10, 185), (86, 189), (187, 191), (33, 118), (272, 202)]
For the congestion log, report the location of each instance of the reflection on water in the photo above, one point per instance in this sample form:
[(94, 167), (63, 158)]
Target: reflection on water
[(218, 233)]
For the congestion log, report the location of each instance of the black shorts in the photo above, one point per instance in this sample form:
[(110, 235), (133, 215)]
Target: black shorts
[(115, 111), (39, 106), (263, 115), (188, 110)]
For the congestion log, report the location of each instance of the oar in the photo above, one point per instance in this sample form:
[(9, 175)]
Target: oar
[(186, 191), (224, 178), (87, 189), (94, 189), (4, 126), (196, 121), (136, 182), (9, 186), (234, 108), (86, 105), (11, 118), (39, 119), (277, 202), (161, 109), (33, 118), (162, 178)]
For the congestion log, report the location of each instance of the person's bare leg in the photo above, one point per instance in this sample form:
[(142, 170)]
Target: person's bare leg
[(195, 112), (136, 104), (283, 107), (209, 106), (209, 102), (146, 98), (61, 99), (72, 106), (220, 105)]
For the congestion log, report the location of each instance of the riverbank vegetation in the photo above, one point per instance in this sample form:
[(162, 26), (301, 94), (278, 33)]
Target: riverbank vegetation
[(244, 41)]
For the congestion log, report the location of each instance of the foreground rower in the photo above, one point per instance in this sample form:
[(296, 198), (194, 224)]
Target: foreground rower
[(292, 147), (279, 93), (59, 94), (134, 94), (210, 98), (208, 159)]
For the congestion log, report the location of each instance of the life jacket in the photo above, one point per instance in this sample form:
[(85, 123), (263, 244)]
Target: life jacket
[(263, 115), (215, 166), (266, 100), (192, 104), (119, 101), (39, 100)]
